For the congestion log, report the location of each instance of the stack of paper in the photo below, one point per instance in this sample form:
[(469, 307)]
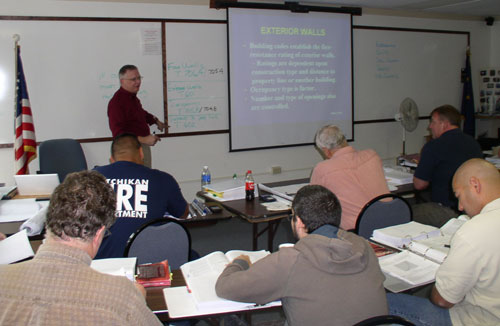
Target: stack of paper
[(287, 192), (397, 177), (6, 191), (18, 209), (226, 190), (437, 248), (116, 266), (181, 304), (35, 224), (401, 235)]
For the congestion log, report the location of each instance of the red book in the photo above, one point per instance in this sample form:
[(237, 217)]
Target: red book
[(380, 250), (157, 274)]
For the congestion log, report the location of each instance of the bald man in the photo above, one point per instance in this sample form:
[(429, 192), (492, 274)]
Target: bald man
[(142, 194), (467, 288)]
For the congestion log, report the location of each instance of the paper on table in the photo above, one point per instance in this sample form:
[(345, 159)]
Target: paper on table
[(494, 160), (437, 248), (287, 192), (401, 235), (34, 225), (6, 190), (18, 209), (15, 248), (454, 224), (280, 204), (201, 276), (181, 303), (409, 267), (116, 266), (397, 177)]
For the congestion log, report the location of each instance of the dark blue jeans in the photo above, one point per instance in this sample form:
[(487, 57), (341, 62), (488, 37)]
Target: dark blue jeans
[(420, 311)]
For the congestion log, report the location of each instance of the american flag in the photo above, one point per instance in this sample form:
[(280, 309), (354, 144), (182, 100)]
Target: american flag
[(25, 143)]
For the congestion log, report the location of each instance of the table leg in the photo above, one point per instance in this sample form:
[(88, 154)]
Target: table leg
[(271, 228)]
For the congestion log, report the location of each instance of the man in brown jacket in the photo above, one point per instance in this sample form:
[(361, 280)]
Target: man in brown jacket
[(330, 276), (58, 286)]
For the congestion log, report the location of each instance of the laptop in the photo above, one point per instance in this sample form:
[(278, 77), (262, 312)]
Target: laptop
[(36, 184)]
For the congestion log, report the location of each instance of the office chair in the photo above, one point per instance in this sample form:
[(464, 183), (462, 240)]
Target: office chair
[(61, 156), (160, 239), (385, 320), (378, 213)]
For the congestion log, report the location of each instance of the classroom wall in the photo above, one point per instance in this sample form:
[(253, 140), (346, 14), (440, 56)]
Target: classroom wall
[(184, 157), (490, 127)]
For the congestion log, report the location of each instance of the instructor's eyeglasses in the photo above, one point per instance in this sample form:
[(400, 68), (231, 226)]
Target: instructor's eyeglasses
[(135, 78)]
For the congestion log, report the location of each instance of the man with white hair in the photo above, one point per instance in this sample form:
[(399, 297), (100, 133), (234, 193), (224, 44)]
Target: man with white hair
[(355, 177)]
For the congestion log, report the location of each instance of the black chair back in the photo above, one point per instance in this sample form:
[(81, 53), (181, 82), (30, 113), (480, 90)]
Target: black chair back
[(380, 212), (160, 239), (61, 156), (385, 320)]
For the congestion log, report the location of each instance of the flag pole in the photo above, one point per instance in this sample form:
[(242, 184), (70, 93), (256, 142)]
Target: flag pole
[(16, 38)]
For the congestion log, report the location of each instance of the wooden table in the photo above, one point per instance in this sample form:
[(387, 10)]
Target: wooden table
[(257, 214), (156, 302), (9, 228), (155, 299)]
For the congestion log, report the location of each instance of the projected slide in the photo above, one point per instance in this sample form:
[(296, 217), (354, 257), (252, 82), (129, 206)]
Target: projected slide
[(290, 73)]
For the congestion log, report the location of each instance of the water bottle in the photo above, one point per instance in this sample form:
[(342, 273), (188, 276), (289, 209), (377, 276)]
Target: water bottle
[(249, 186), (206, 178)]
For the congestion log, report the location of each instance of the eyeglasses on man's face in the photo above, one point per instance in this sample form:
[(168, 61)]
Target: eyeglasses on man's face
[(138, 78)]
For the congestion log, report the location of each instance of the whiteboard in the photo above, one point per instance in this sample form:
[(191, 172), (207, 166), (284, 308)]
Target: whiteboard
[(390, 65), (71, 70), (197, 83)]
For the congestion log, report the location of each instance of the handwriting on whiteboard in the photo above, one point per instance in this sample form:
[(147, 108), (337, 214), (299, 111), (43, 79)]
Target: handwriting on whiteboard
[(386, 60), (193, 101)]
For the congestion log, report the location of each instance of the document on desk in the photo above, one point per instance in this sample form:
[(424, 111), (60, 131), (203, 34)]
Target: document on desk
[(116, 266), (428, 243), (409, 267), (202, 274), (15, 248), (16, 210), (280, 204), (397, 177), (5, 191), (181, 304), (226, 190), (287, 192), (495, 160), (400, 236)]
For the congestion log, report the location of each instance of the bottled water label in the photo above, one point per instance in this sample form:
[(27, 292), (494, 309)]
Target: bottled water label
[(205, 179)]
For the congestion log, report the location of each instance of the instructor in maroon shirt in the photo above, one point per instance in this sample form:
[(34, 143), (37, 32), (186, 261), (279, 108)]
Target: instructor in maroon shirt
[(126, 115)]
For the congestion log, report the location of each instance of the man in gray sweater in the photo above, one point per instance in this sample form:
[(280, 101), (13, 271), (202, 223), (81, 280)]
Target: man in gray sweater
[(330, 276)]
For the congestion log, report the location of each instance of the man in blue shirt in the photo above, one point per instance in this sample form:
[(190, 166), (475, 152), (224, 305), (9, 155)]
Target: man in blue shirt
[(142, 194), (439, 160)]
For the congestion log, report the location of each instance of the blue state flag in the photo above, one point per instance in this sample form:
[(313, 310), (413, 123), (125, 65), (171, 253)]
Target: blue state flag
[(468, 100)]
